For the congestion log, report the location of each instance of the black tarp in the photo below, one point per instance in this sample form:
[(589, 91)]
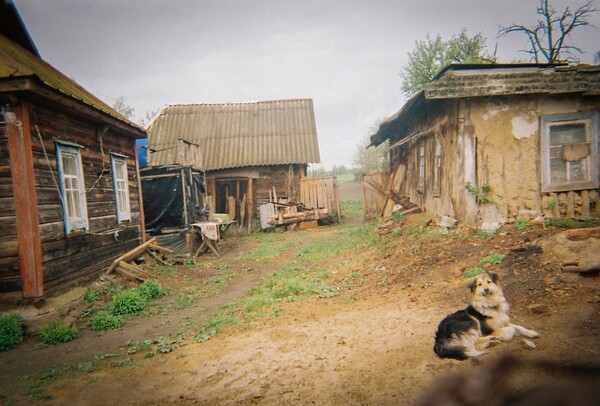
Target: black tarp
[(173, 197)]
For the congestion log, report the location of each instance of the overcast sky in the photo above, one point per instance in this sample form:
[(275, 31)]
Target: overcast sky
[(344, 54)]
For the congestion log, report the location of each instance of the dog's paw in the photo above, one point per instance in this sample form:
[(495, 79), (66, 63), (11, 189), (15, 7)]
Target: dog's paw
[(532, 334)]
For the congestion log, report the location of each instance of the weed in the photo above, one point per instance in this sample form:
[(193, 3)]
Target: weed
[(90, 366), (127, 302), (205, 335), (133, 348), (492, 259), (105, 320), (472, 272), (165, 345), (151, 289), (560, 223), (36, 393), (11, 331), (481, 195), (522, 224), (105, 356), (122, 362), (91, 295), (57, 332)]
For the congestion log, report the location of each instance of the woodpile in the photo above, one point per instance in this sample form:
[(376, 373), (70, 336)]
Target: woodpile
[(124, 267), (295, 215)]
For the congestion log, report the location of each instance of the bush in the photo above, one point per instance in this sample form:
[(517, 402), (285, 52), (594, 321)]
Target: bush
[(57, 332), (127, 302), (11, 331), (151, 289), (104, 320), (91, 295)]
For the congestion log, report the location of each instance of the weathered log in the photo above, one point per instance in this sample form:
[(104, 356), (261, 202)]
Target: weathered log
[(582, 233), (131, 255)]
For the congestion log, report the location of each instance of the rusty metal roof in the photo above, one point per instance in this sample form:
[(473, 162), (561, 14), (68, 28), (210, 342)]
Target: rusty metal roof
[(467, 81), (17, 62), (232, 135)]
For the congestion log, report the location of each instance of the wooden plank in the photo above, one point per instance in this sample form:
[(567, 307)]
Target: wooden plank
[(161, 249), (134, 269), (134, 253), (126, 272), (585, 203), (26, 210)]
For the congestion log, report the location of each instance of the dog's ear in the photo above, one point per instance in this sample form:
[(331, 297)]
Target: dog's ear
[(493, 276), (471, 286)]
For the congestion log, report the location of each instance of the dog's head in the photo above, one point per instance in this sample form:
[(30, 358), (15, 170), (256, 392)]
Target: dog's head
[(485, 287)]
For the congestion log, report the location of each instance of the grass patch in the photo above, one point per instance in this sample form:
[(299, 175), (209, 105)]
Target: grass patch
[(472, 272), (522, 224), (492, 259), (127, 302), (11, 331), (91, 295), (104, 320), (151, 289), (57, 332)]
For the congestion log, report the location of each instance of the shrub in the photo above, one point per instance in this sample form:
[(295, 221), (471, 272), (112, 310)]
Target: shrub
[(522, 224), (151, 289), (127, 302), (91, 295), (472, 272), (104, 320), (57, 332), (11, 331), (492, 259)]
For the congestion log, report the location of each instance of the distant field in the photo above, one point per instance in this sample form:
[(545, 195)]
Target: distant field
[(346, 178)]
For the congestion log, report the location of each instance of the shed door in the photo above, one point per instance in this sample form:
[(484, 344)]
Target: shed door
[(232, 198)]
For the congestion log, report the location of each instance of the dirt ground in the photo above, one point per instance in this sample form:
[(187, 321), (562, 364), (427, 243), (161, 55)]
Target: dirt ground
[(369, 345)]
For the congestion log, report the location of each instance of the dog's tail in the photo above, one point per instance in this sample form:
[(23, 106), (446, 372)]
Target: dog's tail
[(455, 352)]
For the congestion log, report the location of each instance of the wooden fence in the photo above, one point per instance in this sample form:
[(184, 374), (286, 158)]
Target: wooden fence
[(319, 193)]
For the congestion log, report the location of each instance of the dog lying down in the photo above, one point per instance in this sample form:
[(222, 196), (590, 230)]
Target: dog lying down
[(486, 321)]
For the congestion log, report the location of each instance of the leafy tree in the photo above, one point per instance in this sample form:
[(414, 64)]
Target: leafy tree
[(430, 56), (371, 159), (120, 107), (549, 38)]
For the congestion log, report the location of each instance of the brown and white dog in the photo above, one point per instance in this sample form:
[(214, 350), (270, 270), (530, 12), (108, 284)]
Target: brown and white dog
[(485, 321)]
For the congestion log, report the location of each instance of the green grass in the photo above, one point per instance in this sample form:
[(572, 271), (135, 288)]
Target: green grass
[(57, 332), (105, 320), (492, 259), (127, 302), (11, 331), (472, 272), (346, 178)]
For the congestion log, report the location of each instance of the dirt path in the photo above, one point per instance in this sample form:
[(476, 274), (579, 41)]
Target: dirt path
[(371, 344)]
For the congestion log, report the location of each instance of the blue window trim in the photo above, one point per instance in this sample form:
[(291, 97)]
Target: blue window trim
[(72, 148), (114, 158)]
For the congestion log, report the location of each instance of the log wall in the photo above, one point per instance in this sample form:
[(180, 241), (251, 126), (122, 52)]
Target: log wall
[(69, 260)]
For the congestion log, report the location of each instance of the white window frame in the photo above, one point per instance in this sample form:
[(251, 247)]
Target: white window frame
[(121, 187), (590, 121), (421, 155), (437, 167), (72, 187)]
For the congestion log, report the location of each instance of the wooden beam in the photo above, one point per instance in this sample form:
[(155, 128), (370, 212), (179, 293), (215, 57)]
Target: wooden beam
[(140, 193), (131, 255), (134, 269), (26, 209)]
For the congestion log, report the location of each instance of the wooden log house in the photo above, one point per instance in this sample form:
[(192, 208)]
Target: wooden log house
[(249, 151), (70, 200), (524, 135)]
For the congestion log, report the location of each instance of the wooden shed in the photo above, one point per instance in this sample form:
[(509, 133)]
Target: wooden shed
[(70, 201), (485, 144), (250, 151)]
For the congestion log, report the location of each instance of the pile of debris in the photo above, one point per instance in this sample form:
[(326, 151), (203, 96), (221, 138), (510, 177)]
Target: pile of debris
[(292, 216)]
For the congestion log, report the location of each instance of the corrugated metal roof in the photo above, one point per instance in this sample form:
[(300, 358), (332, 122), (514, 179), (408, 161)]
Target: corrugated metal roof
[(16, 62), (464, 81), (232, 135)]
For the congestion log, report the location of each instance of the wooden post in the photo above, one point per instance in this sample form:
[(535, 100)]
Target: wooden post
[(26, 209), (250, 214), (140, 194)]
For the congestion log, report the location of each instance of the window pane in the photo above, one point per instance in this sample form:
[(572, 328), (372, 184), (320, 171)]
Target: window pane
[(68, 164), (567, 134), (558, 170), (577, 170)]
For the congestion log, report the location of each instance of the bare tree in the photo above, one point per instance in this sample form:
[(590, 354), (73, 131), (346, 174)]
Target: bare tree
[(549, 39)]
